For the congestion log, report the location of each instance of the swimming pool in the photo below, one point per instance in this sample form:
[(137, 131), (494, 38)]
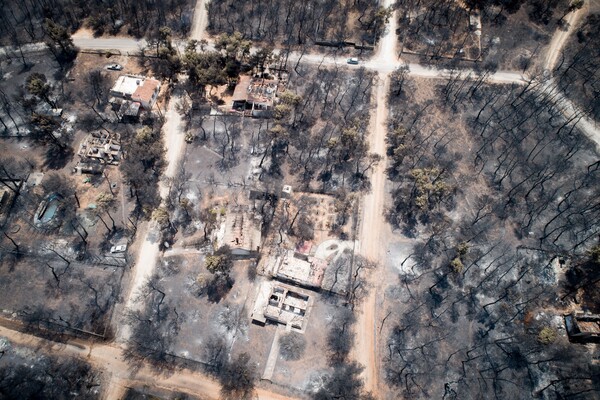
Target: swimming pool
[(50, 211), (47, 209)]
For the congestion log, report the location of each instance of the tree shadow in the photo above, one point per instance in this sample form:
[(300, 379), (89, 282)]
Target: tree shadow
[(26, 67), (57, 157), (218, 288)]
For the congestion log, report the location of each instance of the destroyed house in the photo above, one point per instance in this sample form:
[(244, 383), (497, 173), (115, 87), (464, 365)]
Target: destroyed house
[(583, 327), (282, 304), (126, 110), (254, 96), (242, 234), (100, 147), (296, 268)]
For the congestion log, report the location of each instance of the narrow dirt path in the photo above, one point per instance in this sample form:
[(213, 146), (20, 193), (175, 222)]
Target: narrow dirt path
[(387, 51), (174, 140)]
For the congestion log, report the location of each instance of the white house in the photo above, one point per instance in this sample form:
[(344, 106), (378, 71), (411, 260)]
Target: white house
[(137, 88)]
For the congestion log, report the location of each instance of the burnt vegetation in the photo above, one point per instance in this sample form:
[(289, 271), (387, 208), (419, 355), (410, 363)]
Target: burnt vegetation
[(25, 375), (300, 23), (577, 71), (496, 194), (144, 163), (445, 31), (343, 381), (320, 131), (23, 22)]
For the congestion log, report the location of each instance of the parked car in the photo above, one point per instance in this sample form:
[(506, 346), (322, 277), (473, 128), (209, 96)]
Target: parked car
[(118, 249), (115, 67), (353, 60)]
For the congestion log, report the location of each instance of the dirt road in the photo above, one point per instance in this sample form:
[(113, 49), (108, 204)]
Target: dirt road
[(174, 138), (560, 37), (587, 125), (387, 51), (371, 240), (569, 109), (200, 20), (174, 142), (385, 60), (108, 358)]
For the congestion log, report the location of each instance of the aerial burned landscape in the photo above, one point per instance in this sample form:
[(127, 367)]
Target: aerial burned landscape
[(299, 200)]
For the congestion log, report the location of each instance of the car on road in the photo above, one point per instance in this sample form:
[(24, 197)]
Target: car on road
[(353, 60), (115, 67)]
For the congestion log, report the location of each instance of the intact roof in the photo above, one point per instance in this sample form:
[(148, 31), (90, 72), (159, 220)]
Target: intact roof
[(240, 93), (138, 87), (146, 90), (127, 84)]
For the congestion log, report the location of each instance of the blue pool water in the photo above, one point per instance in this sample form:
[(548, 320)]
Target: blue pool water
[(49, 211)]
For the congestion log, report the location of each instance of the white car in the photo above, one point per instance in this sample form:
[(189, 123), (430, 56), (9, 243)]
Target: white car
[(115, 67), (353, 60), (118, 249)]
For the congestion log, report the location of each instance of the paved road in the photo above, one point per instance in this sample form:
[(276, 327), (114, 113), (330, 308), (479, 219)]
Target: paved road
[(122, 44)]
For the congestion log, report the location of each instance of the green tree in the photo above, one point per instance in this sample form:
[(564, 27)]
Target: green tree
[(234, 46), (205, 69), (161, 215), (59, 41), (220, 262), (547, 335), (430, 188), (43, 130), (457, 265), (37, 85)]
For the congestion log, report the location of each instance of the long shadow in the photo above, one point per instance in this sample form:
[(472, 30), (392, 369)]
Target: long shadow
[(26, 67), (57, 157)]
